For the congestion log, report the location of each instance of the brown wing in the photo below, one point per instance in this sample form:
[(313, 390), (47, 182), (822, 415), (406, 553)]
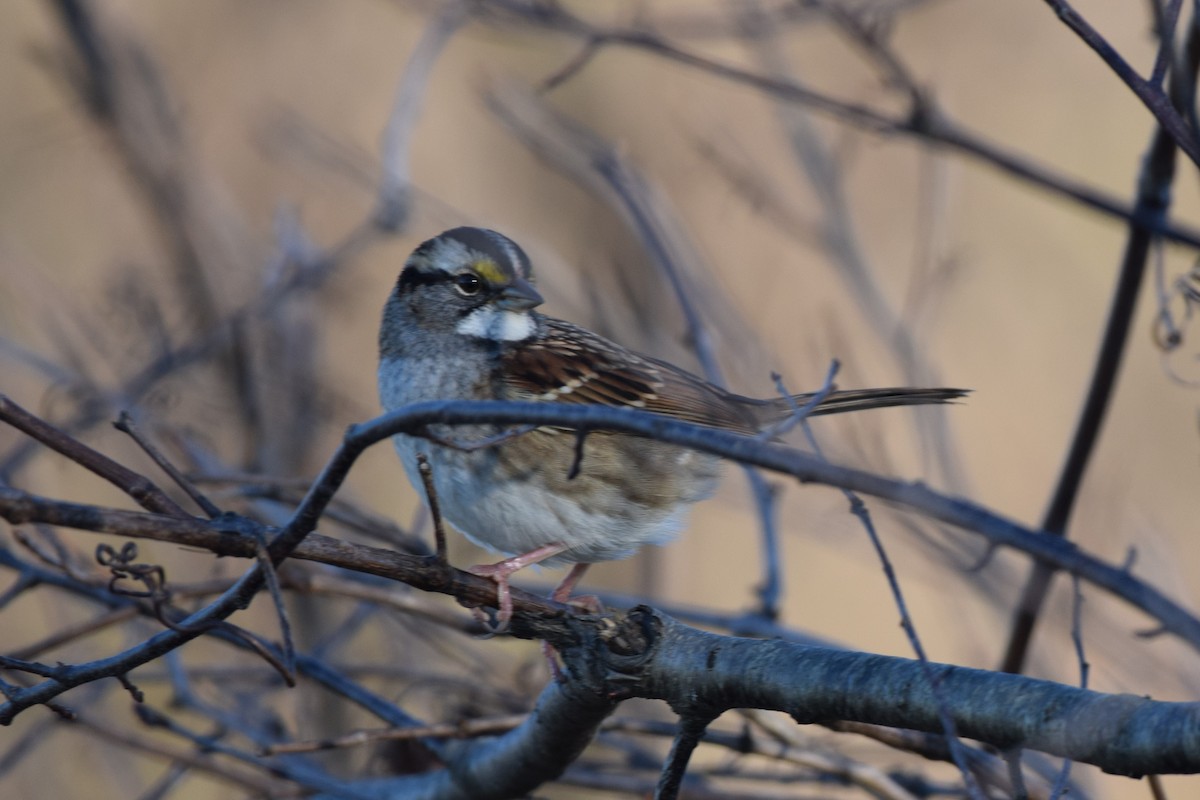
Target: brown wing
[(568, 364)]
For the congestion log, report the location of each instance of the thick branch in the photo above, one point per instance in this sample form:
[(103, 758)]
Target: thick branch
[(681, 665), (19, 507), (688, 668), (1122, 734)]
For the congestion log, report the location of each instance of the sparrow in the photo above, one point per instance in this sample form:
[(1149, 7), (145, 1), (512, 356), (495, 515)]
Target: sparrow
[(461, 323)]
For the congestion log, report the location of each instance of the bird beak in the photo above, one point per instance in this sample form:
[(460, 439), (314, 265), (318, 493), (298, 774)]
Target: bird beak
[(518, 296)]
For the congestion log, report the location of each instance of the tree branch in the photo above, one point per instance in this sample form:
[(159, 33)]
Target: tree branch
[(20, 507), (657, 657)]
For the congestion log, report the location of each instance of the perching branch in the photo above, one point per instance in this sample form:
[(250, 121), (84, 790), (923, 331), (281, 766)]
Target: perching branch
[(688, 668), (19, 507)]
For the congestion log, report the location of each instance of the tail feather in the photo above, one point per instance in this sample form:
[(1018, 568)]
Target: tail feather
[(842, 400)]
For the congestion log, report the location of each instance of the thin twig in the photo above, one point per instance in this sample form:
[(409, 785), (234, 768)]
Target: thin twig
[(1016, 776), (692, 725), (1168, 18), (259, 782), (126, 425), (574, 65), (298, 772), (466, 729), (1060, 784), (435, 512), (139, 487), (1156, 101), (785, 743), (271, 576), (800, 413), (392, 205)]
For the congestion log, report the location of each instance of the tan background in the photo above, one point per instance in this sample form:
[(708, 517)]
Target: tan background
[(1017, 319)]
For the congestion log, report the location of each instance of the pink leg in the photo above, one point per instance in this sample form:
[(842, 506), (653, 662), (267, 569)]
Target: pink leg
[(562, 594), (564, 589), (502, 570)]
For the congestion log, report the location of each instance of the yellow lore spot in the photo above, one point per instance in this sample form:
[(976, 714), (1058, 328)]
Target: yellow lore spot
[(489, 271)]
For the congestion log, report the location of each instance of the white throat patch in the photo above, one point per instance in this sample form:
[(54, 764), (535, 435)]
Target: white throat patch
[(497, 325)]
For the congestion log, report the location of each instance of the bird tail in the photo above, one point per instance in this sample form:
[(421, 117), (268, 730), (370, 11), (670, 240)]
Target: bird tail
[(842, 400)]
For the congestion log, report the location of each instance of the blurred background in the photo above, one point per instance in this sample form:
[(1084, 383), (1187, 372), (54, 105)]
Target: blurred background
[(194, 240)]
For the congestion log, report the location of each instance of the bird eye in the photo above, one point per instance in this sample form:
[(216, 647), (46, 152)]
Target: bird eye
[(468, 283)]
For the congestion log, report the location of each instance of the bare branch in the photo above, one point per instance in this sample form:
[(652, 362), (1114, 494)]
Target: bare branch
[(1156, 101), (1153, 199), (139, 487)]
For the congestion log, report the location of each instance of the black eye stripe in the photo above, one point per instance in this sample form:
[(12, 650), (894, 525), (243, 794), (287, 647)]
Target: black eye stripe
[(412, 277)]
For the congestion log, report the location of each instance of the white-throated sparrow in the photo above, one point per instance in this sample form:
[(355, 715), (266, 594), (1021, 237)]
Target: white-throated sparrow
[(460, 324)]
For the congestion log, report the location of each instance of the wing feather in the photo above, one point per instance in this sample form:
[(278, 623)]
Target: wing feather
[(569, 364)]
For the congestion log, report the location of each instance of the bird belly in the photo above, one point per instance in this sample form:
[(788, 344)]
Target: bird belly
[(535, 503), (519, 495)]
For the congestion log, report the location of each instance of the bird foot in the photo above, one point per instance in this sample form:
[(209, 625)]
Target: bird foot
[(499, 575), (500, 572), (587, 603)]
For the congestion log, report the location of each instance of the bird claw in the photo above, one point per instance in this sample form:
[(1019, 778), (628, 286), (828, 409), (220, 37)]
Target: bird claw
[(501, 571), (499, 574), (587, 603)]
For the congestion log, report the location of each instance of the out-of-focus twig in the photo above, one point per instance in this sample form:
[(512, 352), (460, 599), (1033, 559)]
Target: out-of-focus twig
[(859, 510), (926, 123), (1171, 123), (258, 781), (989, 768), (394, 186), (1153, 200)]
